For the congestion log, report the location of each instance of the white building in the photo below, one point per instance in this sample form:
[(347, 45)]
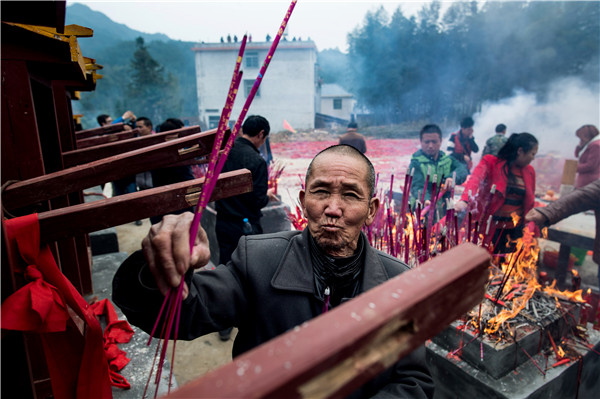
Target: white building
[(288, 91), (336, 102)]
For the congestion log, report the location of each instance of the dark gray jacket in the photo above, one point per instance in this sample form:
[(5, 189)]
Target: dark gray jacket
[(579, 200), (266, 290)]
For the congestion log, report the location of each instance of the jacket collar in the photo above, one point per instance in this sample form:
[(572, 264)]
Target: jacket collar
[(245, 141), (441, 155), (295, 271)]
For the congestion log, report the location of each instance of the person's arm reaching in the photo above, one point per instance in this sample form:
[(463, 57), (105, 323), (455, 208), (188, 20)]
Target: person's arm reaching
[(579, 200)]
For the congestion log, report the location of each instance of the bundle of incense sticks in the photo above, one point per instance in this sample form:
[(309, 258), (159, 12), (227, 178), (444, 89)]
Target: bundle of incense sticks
[(172, 301)]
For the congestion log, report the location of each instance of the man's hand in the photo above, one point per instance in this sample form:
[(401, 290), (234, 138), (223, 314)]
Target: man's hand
[(448, 183), (167, 250), (537, 217), (461, 206), (467, 158), (128, 115), (271, 195)]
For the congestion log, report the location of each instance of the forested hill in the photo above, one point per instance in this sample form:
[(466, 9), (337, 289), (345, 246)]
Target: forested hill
[(113, 46), (106, 32)]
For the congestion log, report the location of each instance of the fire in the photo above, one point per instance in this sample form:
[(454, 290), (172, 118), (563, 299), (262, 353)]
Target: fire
[(574, 296), (515, 218), (519, 270)]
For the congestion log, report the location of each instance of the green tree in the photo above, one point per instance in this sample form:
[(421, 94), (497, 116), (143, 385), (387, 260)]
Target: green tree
[(151, 92), (440, 68)]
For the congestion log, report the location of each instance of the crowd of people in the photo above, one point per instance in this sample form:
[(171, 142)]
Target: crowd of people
[(274, 282)]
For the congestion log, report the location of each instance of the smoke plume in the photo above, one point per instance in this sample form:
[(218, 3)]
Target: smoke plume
[(553, 120)]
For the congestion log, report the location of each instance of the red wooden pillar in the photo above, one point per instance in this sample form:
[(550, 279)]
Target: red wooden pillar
[(21, 150)]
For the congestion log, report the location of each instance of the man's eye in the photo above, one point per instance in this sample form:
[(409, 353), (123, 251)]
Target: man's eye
[(351, 195)]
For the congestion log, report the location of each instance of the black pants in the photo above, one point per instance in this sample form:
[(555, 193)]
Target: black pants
[(503, 239), (229, 234)]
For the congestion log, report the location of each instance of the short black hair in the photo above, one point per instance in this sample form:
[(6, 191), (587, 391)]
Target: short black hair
[(352, 125), (430, 128), (147, 122), (102, 119), (344, 149), (501, 128), (254, 124), (170, 124), (467, 122)]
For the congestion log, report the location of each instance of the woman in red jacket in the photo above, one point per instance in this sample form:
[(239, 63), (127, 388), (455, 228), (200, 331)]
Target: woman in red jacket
[(503, 186)]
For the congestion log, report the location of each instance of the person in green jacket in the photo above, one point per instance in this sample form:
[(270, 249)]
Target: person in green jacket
[(429, 159)]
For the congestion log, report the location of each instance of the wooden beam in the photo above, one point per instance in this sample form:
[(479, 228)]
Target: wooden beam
[(80, 177), (85, 155), (97, 215), (107, 138), (337, 352), (99, 131)]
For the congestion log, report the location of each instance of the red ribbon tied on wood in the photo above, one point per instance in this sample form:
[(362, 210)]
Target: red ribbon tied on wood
[(36, 307), (116, 332), (51, 306)]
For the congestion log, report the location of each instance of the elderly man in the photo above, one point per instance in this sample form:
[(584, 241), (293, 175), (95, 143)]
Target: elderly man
[(275, 282)]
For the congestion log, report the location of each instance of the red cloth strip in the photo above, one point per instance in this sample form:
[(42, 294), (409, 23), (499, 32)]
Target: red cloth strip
[(76, 362)]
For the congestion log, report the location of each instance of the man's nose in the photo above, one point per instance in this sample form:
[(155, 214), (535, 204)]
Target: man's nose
[(334, 206)]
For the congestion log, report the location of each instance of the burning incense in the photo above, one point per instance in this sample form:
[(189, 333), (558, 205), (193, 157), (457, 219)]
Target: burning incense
[(208, 185), (253, 91), (216, 165), (425, 185)]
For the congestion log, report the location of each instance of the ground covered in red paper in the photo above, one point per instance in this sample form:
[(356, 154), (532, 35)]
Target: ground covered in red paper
[(389, 156)]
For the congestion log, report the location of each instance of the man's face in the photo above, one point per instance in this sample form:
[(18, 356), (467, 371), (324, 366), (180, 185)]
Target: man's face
[(144, 130), (336, 202), (467, 131), (431, 144), (108, 121)]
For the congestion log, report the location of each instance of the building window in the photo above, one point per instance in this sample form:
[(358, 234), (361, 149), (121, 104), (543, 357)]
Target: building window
[(252, 60), (213, 121), (337, 103), (248, 83)]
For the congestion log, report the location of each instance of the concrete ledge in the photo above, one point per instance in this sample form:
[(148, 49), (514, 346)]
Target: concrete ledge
[(455, 378)]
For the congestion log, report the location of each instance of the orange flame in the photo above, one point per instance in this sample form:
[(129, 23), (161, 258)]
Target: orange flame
[(573, 296)]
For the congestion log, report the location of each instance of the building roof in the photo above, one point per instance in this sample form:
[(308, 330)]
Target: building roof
[(333, 90), (283, 45)]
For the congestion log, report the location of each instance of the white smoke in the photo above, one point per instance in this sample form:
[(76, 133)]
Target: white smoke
[(569, 104)]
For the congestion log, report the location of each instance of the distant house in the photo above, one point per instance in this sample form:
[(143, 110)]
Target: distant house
[(336, 102), (289, 90)]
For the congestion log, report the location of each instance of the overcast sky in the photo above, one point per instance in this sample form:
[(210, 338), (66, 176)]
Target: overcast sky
[(326, 22)]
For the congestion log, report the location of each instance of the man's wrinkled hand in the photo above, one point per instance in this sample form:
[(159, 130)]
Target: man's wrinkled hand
[(167, 250)]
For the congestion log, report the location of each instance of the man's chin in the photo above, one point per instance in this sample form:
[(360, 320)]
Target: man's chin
[(329, 245)]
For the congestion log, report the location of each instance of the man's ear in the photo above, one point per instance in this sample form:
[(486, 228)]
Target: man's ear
[(301, 195), (373, 208)]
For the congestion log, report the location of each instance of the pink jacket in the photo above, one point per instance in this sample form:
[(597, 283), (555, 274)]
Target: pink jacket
[(588, 167)]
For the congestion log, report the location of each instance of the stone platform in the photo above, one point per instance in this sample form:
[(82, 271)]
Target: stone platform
[(503, 357), (456, 378)]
